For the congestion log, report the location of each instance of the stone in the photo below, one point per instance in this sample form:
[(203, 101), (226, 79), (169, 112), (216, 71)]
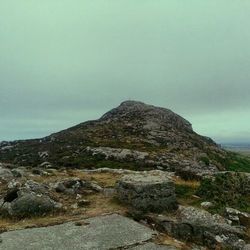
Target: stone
[(69, 186), (97, 233), (238, 217), (75, 186), (194, 170), (5, 174), (30, 204), (38, 188), (60, 188), (199, 216), (207, 204), (74, 206), (44, 154), (17, 172), (118, 153), (45, 164), (147, 191), (94, 187), (199, 226), (14, 184), (38, 171), (83, 203), (109, 192)]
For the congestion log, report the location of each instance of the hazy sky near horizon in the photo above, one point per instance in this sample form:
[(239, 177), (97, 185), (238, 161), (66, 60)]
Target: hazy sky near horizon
[(68, 61)]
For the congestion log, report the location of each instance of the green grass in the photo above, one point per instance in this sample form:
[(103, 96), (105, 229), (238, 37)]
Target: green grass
[(238, 162), (233, 161), (185, 193), (226, 189)]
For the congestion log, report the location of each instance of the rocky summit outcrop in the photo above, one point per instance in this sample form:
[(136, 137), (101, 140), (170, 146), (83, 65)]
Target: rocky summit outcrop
[(133, 136)]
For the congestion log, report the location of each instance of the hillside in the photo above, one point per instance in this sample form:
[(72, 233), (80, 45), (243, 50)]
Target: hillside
[(134, 135), (86, 181)]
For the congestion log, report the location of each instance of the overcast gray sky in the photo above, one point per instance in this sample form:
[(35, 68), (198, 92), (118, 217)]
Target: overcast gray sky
[(66, 61)]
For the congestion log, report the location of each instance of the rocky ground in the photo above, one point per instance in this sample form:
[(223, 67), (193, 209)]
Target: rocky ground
[(49, 197), (134, 135), (136, 163)]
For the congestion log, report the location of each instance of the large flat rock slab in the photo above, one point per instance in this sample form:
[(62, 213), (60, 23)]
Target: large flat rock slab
[(102, 232)]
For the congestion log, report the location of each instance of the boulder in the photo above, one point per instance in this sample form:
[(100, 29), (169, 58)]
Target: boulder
[(31, 204), (191, 170), (5, 174), (199, 216), (207, 204), (38, 171), (17, 172), (45, 164), (38, 188), (76, 185), (238, 217), (14, 184), (199, 226), (69, 186), (152, 191)]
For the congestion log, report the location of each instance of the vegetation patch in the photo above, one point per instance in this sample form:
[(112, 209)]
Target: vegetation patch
[(186, 191), (233, 161), (226, 189), (238, 162)]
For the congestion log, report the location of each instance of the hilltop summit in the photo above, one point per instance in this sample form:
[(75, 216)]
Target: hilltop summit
[(152, 116), (133, 135)]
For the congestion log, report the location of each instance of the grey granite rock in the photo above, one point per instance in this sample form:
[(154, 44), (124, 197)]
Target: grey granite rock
[(31, 204), (201, 227), (98, 233), (118, 153), (147, 191)]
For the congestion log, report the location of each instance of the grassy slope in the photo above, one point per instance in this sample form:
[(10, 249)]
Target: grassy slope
[(238, 162)]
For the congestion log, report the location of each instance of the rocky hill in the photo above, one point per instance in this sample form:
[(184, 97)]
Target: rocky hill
[(134, 136), (72, 177)]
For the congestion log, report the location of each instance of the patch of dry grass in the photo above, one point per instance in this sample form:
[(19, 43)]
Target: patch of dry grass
[(186, 190), (99, 203), (166, 240), (188, 183)]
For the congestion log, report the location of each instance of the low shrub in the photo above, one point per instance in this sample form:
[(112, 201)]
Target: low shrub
[(226, 189)]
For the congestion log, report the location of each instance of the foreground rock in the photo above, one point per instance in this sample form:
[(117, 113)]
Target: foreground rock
[(238, 217), (99, 233), (31, 204), (31, 199), (147, 192), (199, 226), (5, 174)]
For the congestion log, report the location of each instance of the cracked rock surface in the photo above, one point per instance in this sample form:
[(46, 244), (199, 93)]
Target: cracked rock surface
[(147, 192), (101, 232)]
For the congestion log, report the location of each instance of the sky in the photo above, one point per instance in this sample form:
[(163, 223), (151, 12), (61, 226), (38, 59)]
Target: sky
[(63, 62)]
